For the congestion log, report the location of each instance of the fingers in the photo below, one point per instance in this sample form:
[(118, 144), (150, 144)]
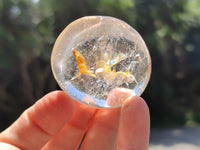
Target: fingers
[(103, 130), (134, 125), (44, 120), (40, 122), (72, 133)]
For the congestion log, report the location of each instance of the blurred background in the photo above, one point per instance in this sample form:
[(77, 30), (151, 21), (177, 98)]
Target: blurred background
[(170, 28)]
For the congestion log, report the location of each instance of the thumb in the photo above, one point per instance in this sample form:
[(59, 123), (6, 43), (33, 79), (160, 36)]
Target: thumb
[(134, 128)]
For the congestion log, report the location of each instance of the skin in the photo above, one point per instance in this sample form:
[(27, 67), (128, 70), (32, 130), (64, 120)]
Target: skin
[(58, 122)]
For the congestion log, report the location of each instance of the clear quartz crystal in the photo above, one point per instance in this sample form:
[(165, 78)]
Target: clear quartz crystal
[(97, 55)]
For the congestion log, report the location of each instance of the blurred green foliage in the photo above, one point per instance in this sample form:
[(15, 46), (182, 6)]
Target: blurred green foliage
[(28, 29)]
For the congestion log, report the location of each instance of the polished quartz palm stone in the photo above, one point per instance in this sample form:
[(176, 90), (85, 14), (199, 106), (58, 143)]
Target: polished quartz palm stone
[(97, 60)]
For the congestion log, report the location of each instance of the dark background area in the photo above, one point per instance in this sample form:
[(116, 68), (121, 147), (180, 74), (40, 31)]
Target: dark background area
[(170, 28)]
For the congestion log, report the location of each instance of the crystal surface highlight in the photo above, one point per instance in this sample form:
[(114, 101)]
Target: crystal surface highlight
[(97, 59)]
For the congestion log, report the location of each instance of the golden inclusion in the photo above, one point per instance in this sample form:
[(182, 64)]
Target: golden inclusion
[(96, 59), (104, 71)]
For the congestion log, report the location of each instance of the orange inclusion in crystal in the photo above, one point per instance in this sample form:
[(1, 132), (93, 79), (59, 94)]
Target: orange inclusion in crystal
[(82, 66), (105, 68)]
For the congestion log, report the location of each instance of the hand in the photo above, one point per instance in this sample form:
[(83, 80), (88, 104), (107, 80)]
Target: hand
[(57, 122)]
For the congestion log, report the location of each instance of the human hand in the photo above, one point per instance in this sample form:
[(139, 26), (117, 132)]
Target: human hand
[(57, 122)]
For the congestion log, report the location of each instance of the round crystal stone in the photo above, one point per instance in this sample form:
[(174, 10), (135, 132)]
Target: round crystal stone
[(97, 59)]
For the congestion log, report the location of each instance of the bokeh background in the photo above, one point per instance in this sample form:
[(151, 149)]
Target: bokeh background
[(170, 28)]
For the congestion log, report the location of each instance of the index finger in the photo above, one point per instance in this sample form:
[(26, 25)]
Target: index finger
[(40, 122)]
